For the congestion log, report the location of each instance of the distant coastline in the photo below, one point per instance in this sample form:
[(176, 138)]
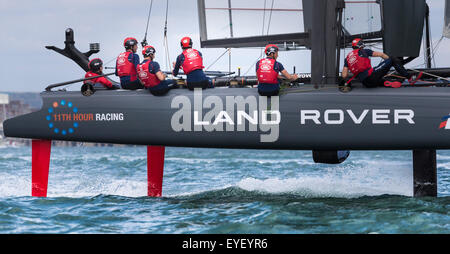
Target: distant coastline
[(31, 101), (31, 98)]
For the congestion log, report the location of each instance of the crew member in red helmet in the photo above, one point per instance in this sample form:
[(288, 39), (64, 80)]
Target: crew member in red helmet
[(96, 69), (151, 76), (359, 64), (191, 61), (126, 65), (267, 70)]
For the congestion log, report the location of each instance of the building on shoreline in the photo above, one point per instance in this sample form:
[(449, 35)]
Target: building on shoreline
[(11, 108)]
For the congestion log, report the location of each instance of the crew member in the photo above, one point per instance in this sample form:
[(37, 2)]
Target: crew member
[(151, 76), (96, 69), (191, 61), (358, 62), (267, 70), (126, 65)]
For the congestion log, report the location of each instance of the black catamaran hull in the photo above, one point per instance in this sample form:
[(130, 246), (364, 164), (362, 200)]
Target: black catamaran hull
[(305, 119)]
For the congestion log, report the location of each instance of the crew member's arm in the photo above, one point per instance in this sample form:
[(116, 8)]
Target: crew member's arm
[(380, 54), (104, 81), (289, 76), (280, 68), (159, 74), (177, 65), (136, 60), (345, 72), (201, 56), (345, 69)]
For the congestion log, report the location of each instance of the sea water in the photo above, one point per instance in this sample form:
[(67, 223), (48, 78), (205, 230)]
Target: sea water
[(103, 190)]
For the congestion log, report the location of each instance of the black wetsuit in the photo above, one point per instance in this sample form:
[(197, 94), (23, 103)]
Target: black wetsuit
[(376, 78)]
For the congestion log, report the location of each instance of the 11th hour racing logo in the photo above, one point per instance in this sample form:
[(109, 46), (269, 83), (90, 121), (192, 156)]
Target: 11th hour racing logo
[(445, 124), (64, 118)]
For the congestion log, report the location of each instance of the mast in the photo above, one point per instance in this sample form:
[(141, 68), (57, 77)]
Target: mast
[(324, 37), (202, 20), (427, 36), (231, 18), (340, 34)]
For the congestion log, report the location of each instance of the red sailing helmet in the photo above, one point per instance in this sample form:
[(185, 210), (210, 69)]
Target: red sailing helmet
[(271, 48), (186, 42), (129, 42), (357, 43), (148, 50)]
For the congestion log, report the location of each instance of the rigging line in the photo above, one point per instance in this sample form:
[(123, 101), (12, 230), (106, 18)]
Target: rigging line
[(166, 49), (345, 40), (264, 18), (167, 14), (431, 46), (229, 60), (231, 34), (432, 50), (270, 17), (230, 16), (257, 59), (432, 75), (106, 63), (217, 59), (264, 23), (166, 42), (425, 48), (436, 47), (324, 66), (144, 42), (253, 65), (262, 33)]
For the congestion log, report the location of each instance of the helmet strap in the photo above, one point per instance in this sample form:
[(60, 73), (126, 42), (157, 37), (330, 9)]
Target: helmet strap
[(271, 55)]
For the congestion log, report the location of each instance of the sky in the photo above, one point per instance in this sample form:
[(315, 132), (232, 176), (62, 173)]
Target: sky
[(27, 26)]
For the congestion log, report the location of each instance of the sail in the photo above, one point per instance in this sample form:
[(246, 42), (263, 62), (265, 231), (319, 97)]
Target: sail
[(362, 17), (403, 29), (253, 23), (447, 19)]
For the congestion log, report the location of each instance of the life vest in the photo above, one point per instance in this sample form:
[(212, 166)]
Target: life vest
[(266, 74), (147, 79), (101, 80), (125, 67), (192, 61), (357, 63)]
